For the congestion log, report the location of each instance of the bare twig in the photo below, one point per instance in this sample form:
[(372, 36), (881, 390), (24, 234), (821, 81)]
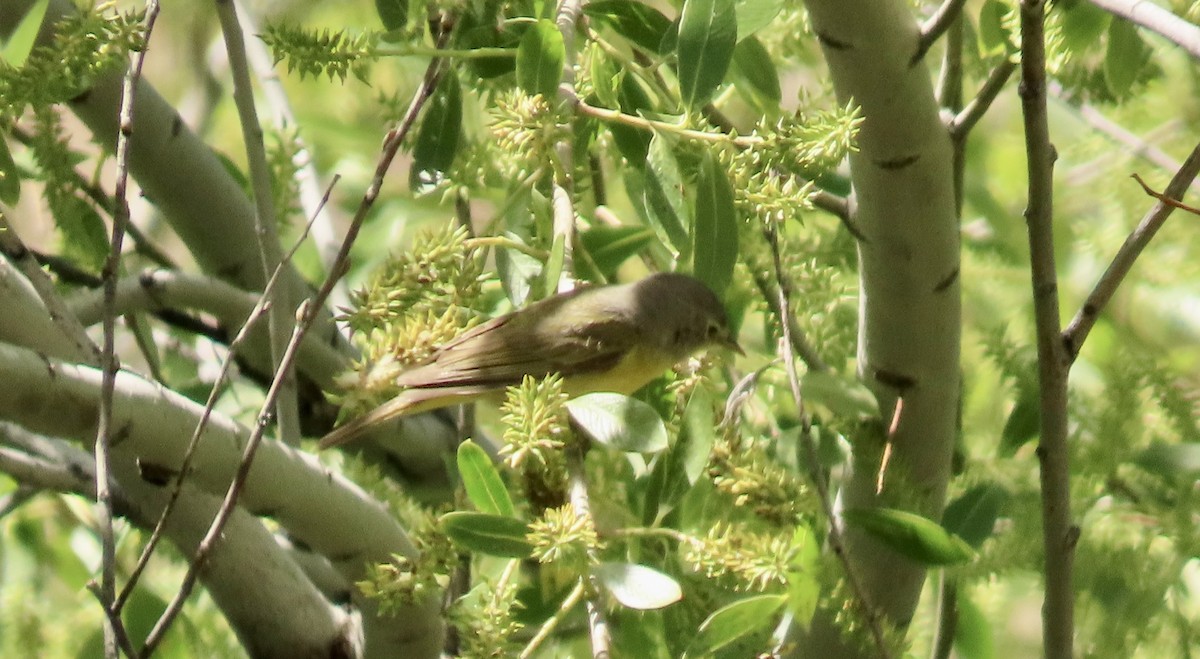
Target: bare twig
[(281, 318), (937, 24), (307, 313), (1158, 19), (800, 343), (1058, 533), (815, 474), (1079, 327), (964, 121), (552, 622), (597, 621), (106, 591), (1136, 144)]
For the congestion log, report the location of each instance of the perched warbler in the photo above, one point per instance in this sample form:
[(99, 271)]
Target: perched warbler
[(599, 338)]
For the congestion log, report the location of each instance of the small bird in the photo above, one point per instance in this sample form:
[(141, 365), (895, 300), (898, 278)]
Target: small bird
[(599, 338)]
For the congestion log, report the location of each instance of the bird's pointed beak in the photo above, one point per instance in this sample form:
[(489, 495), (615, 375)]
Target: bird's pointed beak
[(729, 343)]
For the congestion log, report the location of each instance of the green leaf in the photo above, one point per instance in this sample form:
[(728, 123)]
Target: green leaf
[(437, 141), (912, 535), (707, 35), (20, 43), (662, 195), (392, 13), (84, 235), (804, 587), (754, 15), (611, 246), (973, 636), (540, 60), (845, 397), (1171, 460), (993, 36), (715, 248), (754, 64), (606, 80), (733, 621), (640, 23), (677, 470), (10, 179), (518, 272), (482, 481), (972, 516), (619, 422), (495, 535), (489, 36), (1124, 58), (637, 586), (631, 142), (1023, 424), (554, 265), (1083, 25)]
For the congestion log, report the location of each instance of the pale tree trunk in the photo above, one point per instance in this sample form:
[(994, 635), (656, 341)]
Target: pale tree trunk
[(910, 309)]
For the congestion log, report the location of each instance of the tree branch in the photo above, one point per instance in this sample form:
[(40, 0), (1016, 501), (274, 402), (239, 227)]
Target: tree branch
[(1157, 19), (1058, 533), (1085, 319), (937, 25)]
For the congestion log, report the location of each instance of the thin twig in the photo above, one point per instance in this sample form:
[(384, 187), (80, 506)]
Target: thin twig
[(597, 621), (307, 314), (937, 24), (1136, 144), (114, 620), (836, 540), (551, 623), (1058, 533), (281, 313), (964, 121), (800, 343), (1079, 327), (106, 591)]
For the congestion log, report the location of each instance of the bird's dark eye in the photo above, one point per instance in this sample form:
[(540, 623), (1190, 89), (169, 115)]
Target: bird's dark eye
[(714, 330)]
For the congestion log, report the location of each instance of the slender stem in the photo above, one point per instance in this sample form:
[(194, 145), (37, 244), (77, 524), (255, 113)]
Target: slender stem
[(1085, 319), (654, 125), (552, 622), (964, 121), (281, 313), (937, 24), (423, 51), (816, 475), (1059, 535), (106, 591)]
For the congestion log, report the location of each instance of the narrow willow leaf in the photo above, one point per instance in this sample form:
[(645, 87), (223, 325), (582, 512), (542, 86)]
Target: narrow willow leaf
[(619, 422), (733, 621), (518, 272), (715, 249), (663, 195), (610, 246), (637, 22), (707, 35), (972, 516), (554, 265), (482, 481), (912, 535), (993, 36), (495, 535), (84, 236), (1023, 424), (755, 65), (631, 142), (1083, 26), (754, 15), (437, 141), (540, 59), (1171, 460), (637, 586), (392, 13), (1124, 58), (20, 43)]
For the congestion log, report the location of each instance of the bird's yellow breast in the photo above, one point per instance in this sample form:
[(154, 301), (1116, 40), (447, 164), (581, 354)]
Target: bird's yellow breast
[(639, 366)]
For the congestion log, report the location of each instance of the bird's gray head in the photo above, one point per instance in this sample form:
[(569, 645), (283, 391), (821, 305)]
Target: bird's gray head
[(684, 312)]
